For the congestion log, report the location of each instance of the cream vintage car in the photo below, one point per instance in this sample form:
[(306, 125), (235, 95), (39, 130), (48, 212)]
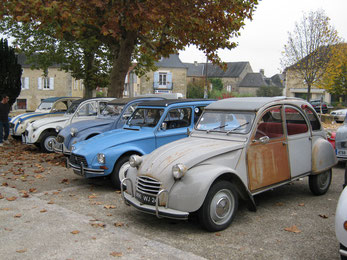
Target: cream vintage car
[(240, 147)]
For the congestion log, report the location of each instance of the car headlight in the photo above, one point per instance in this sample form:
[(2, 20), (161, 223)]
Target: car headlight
[(101, 158), (135, 160), (178, 171), (73, 131), (58, 128)]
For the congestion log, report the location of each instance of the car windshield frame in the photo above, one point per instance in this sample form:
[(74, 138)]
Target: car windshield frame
[(219, 121), (150, 117), (110, 110), (44, 106)]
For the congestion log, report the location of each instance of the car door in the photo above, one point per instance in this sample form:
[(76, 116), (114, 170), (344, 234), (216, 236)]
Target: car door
[(299, 142), (174, 126), (267, 155)]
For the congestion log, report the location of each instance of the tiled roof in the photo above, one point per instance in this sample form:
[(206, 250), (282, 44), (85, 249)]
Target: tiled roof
[(173, 61)]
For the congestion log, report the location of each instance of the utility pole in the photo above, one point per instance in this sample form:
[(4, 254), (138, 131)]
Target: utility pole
[(206, 81)]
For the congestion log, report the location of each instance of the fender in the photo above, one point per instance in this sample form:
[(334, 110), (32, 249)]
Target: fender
[(198, 187), (323, 156)]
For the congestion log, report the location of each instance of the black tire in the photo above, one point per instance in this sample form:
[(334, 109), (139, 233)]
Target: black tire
[(119, 172), (320, 183), (45, 142), (220, 206), (343, 248)]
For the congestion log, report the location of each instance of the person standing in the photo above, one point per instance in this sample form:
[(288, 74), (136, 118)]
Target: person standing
[(4, 124)]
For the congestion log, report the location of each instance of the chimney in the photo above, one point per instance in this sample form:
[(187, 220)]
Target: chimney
[(262, 71), (195, 63)]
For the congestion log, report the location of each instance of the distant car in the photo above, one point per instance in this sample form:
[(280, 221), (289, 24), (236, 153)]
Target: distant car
[(153, 124), (240, 147), (43, 131), (341, 142), (341, 224), (317, 106), (54, 106), (113, 116), (339, 115)]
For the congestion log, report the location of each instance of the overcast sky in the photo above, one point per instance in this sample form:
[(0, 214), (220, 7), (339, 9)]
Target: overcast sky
[(262, 39)]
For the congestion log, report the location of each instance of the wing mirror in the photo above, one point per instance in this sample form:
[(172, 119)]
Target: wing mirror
[(163, 126), (264, 139)]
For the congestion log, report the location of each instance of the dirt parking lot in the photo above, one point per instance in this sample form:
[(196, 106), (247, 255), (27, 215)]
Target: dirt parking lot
[(47, 212)]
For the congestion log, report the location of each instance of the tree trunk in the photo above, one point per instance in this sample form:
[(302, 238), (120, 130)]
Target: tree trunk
[(308, 98), (121, 64), (88, 82)]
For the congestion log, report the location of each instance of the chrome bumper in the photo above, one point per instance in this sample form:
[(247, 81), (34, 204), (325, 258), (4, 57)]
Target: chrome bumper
[(60, 148), (159, 211), (81, 170)]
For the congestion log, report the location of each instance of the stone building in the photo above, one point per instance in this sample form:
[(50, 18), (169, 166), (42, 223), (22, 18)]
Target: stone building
[(35, 86)]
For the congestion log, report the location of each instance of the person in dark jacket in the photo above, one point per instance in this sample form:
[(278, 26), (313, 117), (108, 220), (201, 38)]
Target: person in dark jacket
[(4, 124)]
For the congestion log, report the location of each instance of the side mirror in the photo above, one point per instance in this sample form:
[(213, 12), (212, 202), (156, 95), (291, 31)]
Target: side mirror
[(264, 139), (163, 126), (188, 131)]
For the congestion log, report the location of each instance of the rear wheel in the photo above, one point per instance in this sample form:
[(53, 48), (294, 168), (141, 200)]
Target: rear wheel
[(219, 207), (119, 171), (320, 183), (46, 142)]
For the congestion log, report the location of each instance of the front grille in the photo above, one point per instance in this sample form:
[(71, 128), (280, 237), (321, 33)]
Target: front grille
[(60, 139), (341, 145), (78, 159), (147, 185), (26, 133)]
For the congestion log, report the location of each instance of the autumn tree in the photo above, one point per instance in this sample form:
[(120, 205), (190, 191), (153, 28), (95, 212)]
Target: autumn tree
[(139, 30), (334, 79), (10, 72), (307, 52)]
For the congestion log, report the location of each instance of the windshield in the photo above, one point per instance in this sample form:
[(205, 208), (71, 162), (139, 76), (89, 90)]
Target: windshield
[(148, 117), (226, 122), (45, 106), (112, 110)]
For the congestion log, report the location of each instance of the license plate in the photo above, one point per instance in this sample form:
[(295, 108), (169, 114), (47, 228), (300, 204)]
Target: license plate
[(144, 198), (339, 152), (11, 131)]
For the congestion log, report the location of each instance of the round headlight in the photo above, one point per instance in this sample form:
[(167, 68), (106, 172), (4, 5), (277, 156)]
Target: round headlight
[(178, 171), (135, 160), (73, 131), (101, 158), (58, 128)]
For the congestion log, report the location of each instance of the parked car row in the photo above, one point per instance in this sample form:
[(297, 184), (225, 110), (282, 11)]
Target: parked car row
[(176, 157)]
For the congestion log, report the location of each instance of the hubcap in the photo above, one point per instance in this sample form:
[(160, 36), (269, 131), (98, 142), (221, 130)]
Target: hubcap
[(48, 143), (222, 206), (323, 179), (123, 170)]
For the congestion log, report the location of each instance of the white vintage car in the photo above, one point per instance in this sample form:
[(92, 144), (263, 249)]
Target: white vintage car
[(43, 131), (341, 142), (341, 223), (239, 148)]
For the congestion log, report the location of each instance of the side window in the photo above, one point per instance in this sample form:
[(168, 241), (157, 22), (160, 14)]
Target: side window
[(130, 109), (270, 124), (295, 122), (60, 106), (88, 109), (178, 117), (315, 124)]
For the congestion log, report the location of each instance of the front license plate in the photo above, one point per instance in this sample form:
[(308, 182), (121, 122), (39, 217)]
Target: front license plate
[(144, 198), (339, 152)]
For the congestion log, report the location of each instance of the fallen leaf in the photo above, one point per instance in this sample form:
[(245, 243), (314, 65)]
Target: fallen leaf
[(50, 202), (32, 190), (293, 229), (116, 254), (1, 197), (38, 176), (43, 210), (302, 204), (98, 225), (8, 229), (109, 207), (93, 196), (323, 216), (5, 184), (75, 232), (66, 181), (17, 215), (279, 204), (218, 234), (56, 192), (95, 203), (119, 224), (118, 191), (11, 198), (21, 250)]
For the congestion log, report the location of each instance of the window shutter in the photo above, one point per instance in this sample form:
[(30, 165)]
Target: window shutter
[(51, 83), (156, 80), (39, 83), (169, 80), (26, 82)]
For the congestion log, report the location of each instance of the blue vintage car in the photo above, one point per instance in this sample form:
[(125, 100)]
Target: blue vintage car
[(113, 116), (153, 124)]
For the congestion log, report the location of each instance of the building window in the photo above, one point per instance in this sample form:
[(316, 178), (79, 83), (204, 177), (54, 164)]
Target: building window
[(162, 79), (25, 82), (46, 83), (229, 88), (21, 104)]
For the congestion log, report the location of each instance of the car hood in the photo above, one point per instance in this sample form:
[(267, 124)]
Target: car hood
[(26, 116), (86, 124), (50, 120), (188, 151), (110, 139), (339, 111)]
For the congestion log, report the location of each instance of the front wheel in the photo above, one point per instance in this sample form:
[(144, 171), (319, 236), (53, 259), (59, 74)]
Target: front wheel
[(46, 142), (119, 171), (320, 183), (219, 207)]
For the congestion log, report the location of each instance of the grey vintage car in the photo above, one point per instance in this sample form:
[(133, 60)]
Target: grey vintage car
[(341, 142), (240, 147)]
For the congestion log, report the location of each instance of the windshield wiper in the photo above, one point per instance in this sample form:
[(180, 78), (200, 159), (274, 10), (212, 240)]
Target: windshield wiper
[(215, 128), (242, 125)]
